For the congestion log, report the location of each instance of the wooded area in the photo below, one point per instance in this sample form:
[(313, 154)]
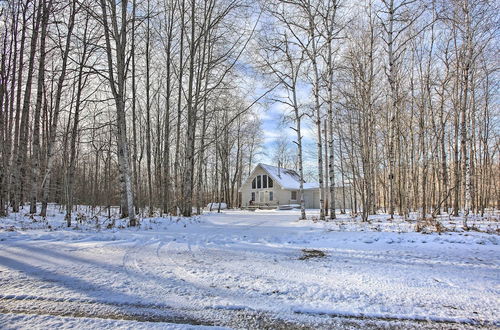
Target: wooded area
[(153, 104)]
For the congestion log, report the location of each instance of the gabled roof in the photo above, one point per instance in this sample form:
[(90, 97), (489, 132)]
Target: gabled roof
[(286, 178)]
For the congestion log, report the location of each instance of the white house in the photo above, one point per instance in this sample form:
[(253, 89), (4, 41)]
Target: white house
[(270, 186)]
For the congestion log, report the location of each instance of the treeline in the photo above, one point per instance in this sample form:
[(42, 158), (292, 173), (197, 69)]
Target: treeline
[(138, 103), (403, 95), (150, 104)]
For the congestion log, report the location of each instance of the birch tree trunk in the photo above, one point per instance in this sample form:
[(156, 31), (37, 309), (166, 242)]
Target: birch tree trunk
[(313, 56), (148, 111), (329, 128), (464, 109), (393, 110), (298, 124), (187, 185), (177, 168), (166, 147), (117, 84)]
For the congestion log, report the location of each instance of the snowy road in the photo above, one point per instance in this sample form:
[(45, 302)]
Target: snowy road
[(243, 269)]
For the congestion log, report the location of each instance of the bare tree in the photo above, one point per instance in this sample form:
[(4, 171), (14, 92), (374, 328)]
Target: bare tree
[(287, 72), (117, 76)]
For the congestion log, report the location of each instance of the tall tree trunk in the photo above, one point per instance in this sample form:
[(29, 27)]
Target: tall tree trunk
[(326, 185), (24, 130), (117, 85), (187, 186), (394, 108), (466, 68), (177, 168), (35, 157), (331, 159), (166, 147), (74, 131), (298, 126), (134, 115), (148, 113), (53, 127), (317, 112)]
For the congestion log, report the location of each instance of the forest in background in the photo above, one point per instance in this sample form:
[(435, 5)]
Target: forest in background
[(154, 105)]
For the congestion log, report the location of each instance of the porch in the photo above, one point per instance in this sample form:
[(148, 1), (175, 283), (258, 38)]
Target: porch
[(270, 205)]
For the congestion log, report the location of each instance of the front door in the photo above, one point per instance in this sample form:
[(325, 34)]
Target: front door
[(262, 197)]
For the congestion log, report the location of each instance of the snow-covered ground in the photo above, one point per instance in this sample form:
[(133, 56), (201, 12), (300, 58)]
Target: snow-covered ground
[(242, 269)]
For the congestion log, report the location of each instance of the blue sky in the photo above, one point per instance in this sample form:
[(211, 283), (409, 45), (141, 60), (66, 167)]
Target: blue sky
[(271, 116)]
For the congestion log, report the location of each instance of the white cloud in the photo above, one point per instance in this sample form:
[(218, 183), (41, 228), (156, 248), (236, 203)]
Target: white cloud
[(262, 113), (271, 135)]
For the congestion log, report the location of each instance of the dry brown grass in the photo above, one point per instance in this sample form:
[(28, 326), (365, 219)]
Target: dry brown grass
[(312, 253), (429, 225)]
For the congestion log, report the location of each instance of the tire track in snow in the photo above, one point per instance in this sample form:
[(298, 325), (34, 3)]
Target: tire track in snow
[(137, 262), (240, 319), (137, 258), (192, 257)]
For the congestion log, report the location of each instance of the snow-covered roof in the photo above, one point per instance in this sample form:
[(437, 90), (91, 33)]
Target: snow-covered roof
[(311, 185), (286, 178)]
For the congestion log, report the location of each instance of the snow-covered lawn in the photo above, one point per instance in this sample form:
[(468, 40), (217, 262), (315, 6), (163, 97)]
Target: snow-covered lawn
[(244, 269)]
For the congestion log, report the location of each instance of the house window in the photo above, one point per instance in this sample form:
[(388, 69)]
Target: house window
[(253, 196), (262, 181), (271, 196), (293, 195)]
